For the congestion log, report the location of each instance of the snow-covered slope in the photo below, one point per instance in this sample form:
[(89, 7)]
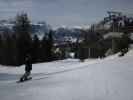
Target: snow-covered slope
[(107, 79)]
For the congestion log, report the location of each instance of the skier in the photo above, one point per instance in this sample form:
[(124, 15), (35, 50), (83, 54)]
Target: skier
[(28, 68)]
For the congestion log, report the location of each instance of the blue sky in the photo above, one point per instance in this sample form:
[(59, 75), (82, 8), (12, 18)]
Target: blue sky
[(64, 12)]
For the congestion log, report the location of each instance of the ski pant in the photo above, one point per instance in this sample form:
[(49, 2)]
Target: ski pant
[(25, 76)]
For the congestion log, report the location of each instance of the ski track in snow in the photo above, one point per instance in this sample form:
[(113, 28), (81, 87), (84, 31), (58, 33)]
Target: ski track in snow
[(61, 68), (107, 79)]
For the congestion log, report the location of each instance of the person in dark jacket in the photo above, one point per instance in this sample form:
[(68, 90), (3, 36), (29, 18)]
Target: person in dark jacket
[(28, 64), (28, 68)]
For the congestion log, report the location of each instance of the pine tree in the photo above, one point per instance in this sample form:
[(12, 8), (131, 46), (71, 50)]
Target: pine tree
[(14, 50), (124, 43), (46, 47), (76, 49), (43, 47), (1, 51), (36, 49), (22, 29), (50, 46)]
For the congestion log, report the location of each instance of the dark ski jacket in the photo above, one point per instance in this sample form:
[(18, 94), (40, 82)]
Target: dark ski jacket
[(28, 64)]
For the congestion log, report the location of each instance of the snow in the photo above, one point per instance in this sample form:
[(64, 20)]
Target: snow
[(95, 79), (113, 34)]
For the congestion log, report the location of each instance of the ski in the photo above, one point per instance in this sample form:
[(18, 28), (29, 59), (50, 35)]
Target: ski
[(21, 81)]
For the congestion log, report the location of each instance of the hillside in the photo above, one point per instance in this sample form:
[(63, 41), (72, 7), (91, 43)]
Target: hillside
[(107, 79)]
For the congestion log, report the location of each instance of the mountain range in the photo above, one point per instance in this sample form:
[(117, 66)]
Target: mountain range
[(41, 28)]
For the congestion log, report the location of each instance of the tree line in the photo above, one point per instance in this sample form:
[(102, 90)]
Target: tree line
[(16, 45)]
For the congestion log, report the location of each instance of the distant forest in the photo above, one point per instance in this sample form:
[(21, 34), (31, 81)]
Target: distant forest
[(91, 43), (14, 47)]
